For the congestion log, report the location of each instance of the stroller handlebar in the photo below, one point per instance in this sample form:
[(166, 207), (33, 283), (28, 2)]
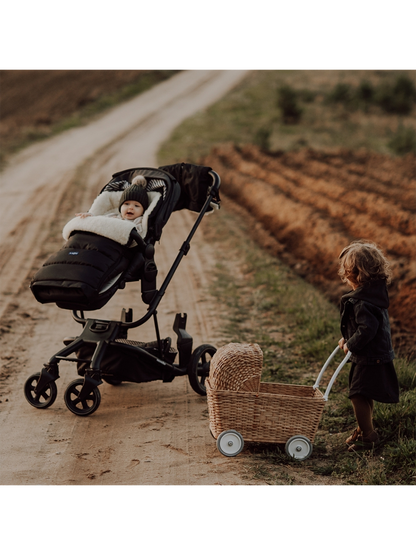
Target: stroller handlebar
[(335, 374), (216, 182)]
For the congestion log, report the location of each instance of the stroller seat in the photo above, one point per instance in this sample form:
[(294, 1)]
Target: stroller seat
[(102, 253)]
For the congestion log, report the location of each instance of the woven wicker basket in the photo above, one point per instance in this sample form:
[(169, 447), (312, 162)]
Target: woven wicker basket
[(264, 412), (236, 367), (274, 414)]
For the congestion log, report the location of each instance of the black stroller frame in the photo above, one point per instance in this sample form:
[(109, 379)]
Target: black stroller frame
[(100, 336)]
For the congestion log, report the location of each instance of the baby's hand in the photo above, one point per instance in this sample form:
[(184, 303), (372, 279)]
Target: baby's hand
[(83, 214)]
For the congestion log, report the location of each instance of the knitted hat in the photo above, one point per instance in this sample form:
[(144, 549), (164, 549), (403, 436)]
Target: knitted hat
[(137, 193)]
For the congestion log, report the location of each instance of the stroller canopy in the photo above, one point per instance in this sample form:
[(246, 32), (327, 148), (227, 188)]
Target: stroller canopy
[(195, 182)]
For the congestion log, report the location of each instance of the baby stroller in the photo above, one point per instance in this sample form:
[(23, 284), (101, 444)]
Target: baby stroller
[(96, 261)]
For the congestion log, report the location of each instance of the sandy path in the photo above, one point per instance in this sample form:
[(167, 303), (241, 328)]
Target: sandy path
[(151, 433)]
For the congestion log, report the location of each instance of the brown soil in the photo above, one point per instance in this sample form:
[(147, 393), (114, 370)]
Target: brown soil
[(315, 203)]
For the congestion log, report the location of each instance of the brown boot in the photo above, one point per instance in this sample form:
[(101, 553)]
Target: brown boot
[(365, 443), (356, 435)]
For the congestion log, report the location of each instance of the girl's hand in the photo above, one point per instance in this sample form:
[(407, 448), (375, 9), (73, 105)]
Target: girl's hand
[(343, 345), (83, 214)]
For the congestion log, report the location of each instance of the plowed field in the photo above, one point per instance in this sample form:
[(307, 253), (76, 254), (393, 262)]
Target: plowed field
[(312, 204)]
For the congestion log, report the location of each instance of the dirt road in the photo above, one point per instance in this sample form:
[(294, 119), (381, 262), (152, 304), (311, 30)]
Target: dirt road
[(151, 433)]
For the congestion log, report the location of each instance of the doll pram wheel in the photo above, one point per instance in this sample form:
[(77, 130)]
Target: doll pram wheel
[(198, 369), (230, 443), (299, 447), (43, 398), (81, 404)]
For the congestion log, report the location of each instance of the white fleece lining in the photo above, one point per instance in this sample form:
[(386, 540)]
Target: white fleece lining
[(112, 228)]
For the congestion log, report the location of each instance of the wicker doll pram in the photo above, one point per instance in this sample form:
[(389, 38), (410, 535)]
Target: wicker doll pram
[(242, 408)]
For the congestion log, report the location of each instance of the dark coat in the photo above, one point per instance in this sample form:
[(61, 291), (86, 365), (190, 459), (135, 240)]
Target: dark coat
[(365, 323)]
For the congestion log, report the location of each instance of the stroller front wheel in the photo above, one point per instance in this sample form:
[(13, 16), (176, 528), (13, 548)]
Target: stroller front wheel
[(41, 399), (198, 369), (79, 405)]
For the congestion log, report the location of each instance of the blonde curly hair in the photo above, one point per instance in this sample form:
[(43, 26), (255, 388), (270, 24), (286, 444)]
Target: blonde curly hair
[(362, 262)]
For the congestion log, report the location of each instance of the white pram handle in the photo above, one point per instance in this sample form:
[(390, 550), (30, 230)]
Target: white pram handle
[(335, 374)]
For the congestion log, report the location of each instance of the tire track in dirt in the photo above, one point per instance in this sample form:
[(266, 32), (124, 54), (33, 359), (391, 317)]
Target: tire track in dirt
[(19, 248), (313, 214)]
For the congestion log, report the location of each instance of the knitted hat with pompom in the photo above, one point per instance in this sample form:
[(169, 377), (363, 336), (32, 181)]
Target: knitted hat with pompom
[(137, 193)]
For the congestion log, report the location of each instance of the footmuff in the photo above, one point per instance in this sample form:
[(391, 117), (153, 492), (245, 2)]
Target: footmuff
[(85, 273)]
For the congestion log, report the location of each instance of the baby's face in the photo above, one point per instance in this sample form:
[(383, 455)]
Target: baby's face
[(131, 209)]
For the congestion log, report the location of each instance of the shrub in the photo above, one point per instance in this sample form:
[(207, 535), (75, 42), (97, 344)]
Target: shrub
[(365, 91), (306, 95), (341, 94), (288, 105), (262, 138), (365, 94), (394, 98), (404, 141), (397, 98)]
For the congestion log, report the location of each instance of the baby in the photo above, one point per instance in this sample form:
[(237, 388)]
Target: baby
[(133, 203)]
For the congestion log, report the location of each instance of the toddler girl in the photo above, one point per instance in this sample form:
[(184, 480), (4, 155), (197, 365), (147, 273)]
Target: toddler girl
[(365, 332)]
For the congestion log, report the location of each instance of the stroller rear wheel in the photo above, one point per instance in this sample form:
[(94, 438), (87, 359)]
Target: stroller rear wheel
[(81, 406), (198, 369), (43, 398)]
